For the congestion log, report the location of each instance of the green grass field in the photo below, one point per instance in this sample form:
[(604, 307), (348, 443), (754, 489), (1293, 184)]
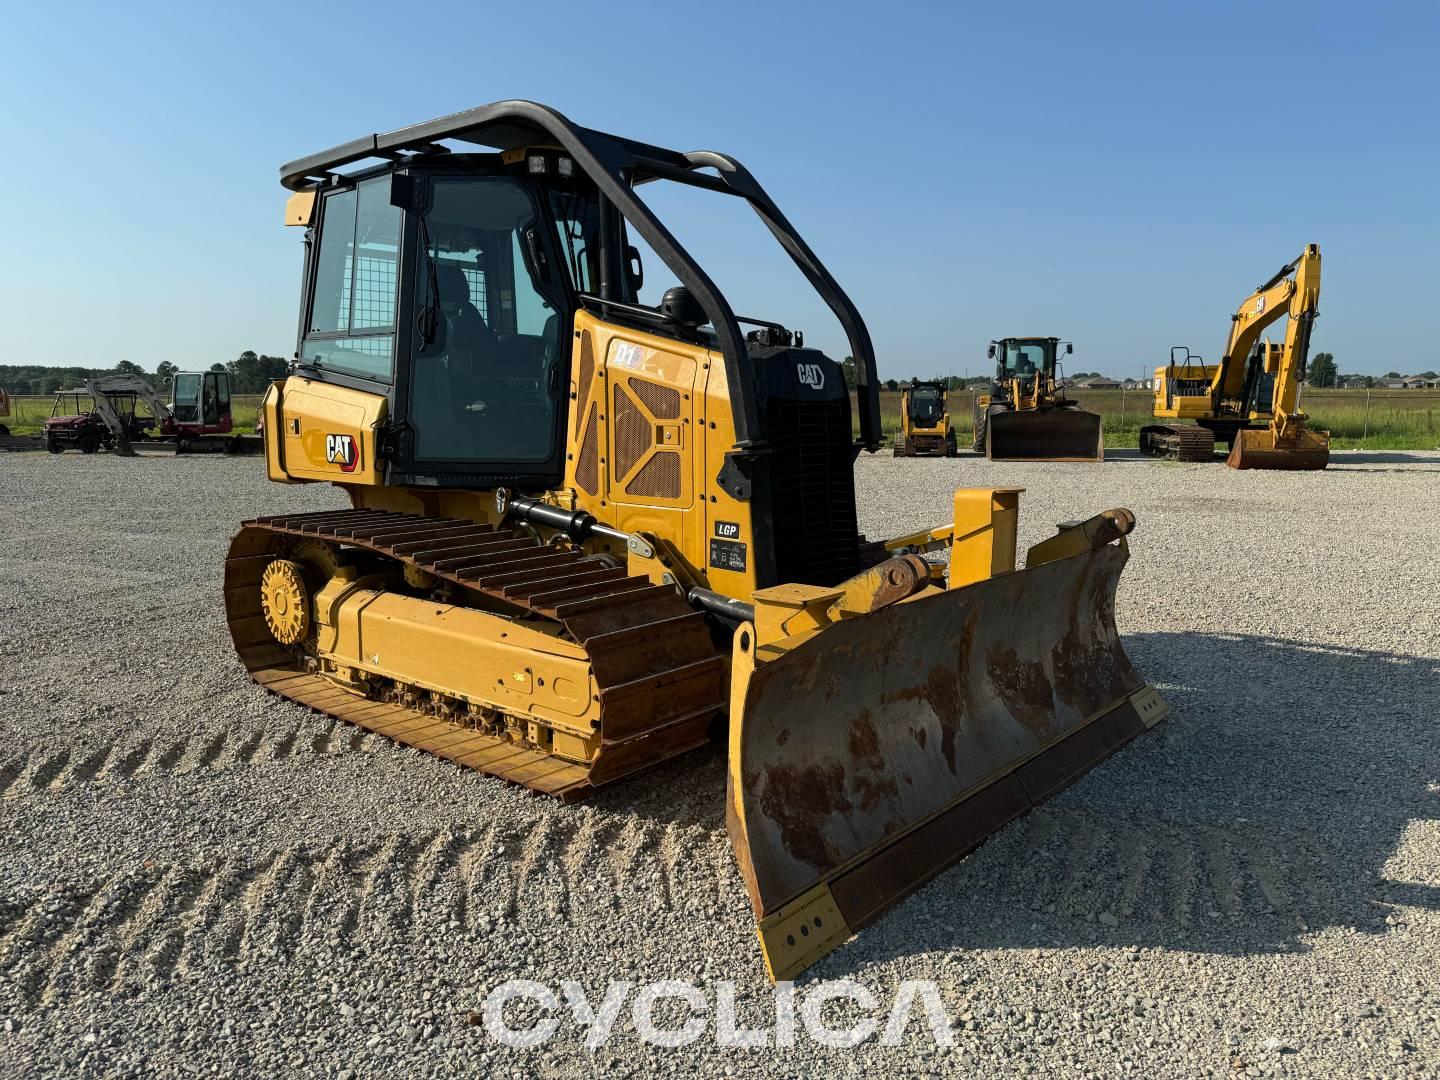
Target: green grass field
[(1393, 419)]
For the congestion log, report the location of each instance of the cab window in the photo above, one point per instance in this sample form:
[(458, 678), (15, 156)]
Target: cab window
[(351, 325), (1024, 359), (484, 370)]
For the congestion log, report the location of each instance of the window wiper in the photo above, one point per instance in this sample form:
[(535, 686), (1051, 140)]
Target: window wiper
[(427, 319)]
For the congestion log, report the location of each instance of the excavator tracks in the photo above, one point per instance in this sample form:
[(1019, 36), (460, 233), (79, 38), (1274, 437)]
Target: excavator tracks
[(1183, 442), (661, 681)]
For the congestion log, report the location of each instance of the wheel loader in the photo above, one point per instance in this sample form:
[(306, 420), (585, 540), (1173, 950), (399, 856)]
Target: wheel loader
[(1026, 415), (925, 429), (1251, 399), (588, 534)]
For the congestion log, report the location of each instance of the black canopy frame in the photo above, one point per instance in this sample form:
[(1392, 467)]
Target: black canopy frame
[(617, 165)]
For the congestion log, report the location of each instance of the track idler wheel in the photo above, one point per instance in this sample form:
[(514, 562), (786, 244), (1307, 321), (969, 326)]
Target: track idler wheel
[(285, 601)]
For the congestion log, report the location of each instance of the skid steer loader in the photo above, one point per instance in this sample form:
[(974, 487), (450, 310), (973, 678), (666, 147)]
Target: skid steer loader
[(1026, 416), (586, 532), (925, 428)]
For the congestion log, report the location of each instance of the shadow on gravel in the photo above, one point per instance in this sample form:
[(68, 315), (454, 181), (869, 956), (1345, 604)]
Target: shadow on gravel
[(1266, 807), (1380, 457), (1356, 460)]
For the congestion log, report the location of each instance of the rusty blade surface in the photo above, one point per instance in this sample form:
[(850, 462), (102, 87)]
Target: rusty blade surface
[(860, 737), (1045, 435), (1258, 449)]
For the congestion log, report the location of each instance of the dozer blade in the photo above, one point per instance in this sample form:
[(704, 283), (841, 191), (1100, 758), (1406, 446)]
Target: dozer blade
[(1259, 449), (875, 754), (1045, 435)]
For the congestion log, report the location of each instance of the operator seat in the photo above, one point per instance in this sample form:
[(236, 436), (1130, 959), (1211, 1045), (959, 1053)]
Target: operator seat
[(468, 335)]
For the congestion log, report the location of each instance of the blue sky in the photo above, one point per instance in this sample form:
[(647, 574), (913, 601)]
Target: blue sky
[(1117, 174)]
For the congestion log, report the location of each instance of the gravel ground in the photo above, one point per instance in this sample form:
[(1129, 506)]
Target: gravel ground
[(197, 878)]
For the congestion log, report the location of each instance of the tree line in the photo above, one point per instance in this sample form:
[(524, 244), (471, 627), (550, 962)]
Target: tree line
[(250, 373), (1322, 371)]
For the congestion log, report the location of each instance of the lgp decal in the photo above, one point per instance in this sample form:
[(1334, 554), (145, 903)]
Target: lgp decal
[(811, 375), (341, 450)]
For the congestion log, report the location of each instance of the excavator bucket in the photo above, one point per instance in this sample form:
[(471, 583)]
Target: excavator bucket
[(1044, 435), (876, 753), (1260, 449)]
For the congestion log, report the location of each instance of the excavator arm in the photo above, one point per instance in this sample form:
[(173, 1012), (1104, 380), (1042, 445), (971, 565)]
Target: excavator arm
[(1288, 443), (99, 391), (1293, 291)]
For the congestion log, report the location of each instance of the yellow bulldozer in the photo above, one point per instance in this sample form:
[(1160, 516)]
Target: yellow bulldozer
[(588, 534), (1026, 415), (1251, 399), (925, 428)]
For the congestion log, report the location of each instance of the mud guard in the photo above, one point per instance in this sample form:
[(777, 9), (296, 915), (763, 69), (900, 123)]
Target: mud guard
[(873, 755), (1044, 435)]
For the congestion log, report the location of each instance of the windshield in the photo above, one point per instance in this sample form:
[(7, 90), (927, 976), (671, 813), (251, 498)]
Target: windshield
[(1024, 357), (926, 403), (185, 398)]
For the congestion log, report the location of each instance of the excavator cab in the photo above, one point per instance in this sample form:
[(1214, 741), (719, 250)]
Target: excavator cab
[(1026, 416), (200, 403), (587, 533)]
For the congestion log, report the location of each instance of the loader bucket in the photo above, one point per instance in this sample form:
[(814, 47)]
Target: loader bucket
[(1260, 449), (870, 757), (1044, 435)]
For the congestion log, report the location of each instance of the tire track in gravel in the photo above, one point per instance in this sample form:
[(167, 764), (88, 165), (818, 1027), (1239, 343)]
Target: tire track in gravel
[(125, 759), (297, 905), (1082, 864)]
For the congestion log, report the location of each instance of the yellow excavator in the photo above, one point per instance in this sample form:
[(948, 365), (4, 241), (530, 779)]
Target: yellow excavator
[(1251, 399), (1026, 415), (925, 429), (589, 533)]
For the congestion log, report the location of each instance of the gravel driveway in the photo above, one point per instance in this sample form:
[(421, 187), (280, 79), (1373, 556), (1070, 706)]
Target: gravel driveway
[(197, 878)]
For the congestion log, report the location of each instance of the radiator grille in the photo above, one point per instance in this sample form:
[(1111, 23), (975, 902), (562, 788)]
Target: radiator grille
[(585, 377), (633, 434), (659, 478), (812, 485), (587, 468), (662, 401)]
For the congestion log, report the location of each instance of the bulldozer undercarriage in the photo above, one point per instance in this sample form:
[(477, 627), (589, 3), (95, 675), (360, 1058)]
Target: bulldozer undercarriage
[(608, 673)]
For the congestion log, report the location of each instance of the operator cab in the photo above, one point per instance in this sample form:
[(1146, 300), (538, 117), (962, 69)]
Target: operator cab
[(927, 404), (1023, 358), (448, 281), (200, 401), (450, 284)]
